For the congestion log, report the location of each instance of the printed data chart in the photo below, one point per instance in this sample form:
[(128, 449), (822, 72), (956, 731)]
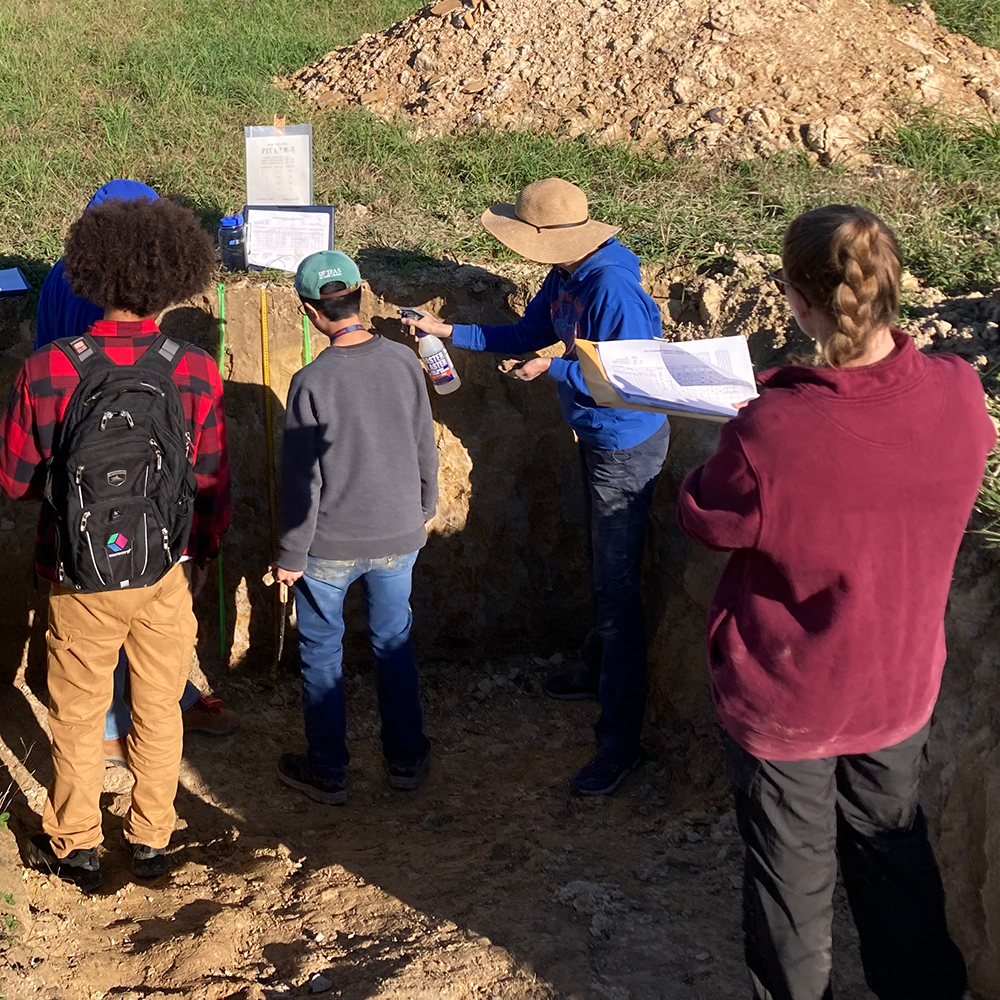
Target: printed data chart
[(706, 376)]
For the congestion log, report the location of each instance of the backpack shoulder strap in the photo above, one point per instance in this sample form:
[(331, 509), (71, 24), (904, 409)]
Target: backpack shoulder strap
[(84, 354), (163, 354)]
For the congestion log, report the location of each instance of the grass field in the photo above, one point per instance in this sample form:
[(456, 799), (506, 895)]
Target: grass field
[(93, 89), (979, 19), (160, 92)]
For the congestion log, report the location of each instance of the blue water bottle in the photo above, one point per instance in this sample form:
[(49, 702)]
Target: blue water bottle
[(231, 235)]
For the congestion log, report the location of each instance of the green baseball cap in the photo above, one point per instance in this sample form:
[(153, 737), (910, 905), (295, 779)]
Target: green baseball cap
[(319, 269)]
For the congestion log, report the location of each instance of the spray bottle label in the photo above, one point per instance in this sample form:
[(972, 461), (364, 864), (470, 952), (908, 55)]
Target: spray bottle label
[(439, 368)]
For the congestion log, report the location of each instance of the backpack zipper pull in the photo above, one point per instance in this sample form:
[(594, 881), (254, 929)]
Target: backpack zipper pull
[(79, 474), (84, 520), (159, 454), (188, 446), (166, 540), (128, 417), (105, 417)]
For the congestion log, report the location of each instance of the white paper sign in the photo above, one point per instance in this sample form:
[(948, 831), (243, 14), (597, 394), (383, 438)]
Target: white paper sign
[(701, 376), (279, 165), (282, 239)]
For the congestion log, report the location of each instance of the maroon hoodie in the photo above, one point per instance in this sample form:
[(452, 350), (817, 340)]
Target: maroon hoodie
[(845, 494)]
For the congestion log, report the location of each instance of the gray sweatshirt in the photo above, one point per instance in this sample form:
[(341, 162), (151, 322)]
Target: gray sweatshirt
[(359, 468)]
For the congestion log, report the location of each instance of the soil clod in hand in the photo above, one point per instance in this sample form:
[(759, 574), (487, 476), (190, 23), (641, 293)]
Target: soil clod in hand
[(510, 366)]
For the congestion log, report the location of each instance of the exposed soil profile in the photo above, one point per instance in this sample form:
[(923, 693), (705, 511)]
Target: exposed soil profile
[(492, 881)]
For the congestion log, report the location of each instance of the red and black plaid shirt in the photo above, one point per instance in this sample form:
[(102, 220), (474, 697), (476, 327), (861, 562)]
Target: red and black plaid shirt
[(37, 405)]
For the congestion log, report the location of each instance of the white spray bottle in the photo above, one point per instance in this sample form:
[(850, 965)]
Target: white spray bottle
[(434, 356)]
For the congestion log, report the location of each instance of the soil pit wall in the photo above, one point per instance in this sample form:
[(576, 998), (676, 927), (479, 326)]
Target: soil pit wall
[(505, 569), (504, 566)]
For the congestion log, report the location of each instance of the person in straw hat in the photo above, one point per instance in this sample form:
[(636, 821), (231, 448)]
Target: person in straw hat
[(593, 292)]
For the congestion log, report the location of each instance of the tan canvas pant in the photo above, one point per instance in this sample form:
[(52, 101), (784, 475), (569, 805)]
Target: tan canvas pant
[(157, 627)]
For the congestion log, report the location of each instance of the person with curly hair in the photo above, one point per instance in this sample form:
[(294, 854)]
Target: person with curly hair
[(61, 313), (133, 259)]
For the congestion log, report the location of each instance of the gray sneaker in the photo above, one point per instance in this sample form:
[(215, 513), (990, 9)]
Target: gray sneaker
[(147, 862), (575, 685)]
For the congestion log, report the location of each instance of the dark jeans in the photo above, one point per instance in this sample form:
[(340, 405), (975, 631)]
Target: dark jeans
[(619, 489), (795, 818), (319, 608), (118, 720)]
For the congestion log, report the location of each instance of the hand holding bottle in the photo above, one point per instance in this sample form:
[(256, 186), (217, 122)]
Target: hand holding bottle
[(432, 352), (425, 323)]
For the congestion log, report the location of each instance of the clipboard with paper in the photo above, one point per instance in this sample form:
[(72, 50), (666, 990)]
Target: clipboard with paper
[(280, 237), (692, 378)]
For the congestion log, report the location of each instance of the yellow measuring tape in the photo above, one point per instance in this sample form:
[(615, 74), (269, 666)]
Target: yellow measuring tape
[(265, 355), (269, 417)]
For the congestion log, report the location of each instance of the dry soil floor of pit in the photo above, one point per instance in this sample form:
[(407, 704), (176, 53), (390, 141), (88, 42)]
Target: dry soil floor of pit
[(492, 881)]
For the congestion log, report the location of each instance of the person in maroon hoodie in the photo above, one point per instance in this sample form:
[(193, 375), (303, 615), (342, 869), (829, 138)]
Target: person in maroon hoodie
[(843, 491)]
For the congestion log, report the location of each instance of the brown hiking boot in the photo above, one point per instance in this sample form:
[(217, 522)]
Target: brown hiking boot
[(207, 716)]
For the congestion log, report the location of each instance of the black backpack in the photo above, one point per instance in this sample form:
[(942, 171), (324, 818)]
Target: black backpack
[(121, 484)]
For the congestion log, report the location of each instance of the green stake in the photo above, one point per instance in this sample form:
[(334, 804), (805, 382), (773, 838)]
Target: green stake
[(307, 347), (222, 369)]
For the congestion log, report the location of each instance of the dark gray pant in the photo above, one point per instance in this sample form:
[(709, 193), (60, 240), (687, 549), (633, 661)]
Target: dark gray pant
[(795, 818), (619, 489)]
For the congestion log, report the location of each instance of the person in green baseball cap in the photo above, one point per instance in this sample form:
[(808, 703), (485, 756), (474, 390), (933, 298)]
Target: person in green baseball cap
[(328, 267), (359, 483)]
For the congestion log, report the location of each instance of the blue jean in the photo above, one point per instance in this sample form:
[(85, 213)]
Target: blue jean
[(619, 489), (319, 607), (118, 721)]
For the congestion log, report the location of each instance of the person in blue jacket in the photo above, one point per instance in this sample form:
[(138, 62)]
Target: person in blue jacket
[(61, 314), (593, 293)]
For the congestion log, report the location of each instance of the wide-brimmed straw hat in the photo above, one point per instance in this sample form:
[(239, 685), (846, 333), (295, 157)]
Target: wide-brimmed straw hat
[(549, 223)]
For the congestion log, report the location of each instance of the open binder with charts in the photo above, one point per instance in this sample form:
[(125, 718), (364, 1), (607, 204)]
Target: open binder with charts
[(690, 378)]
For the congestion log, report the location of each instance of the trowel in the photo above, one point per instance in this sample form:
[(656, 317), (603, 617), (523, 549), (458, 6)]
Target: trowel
[(269, 579)]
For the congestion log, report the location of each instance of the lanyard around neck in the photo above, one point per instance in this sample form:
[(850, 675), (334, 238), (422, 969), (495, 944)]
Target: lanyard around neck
[(346, 329)]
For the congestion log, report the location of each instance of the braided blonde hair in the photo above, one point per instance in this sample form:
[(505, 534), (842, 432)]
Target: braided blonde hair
[(845, 261)]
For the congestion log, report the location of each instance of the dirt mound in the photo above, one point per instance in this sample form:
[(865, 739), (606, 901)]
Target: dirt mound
[(748, 76)]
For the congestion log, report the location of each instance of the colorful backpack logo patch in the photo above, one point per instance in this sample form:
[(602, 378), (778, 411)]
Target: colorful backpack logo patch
[(117, 542)]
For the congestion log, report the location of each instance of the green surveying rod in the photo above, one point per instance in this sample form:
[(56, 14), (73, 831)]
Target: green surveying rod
[(222, 369)]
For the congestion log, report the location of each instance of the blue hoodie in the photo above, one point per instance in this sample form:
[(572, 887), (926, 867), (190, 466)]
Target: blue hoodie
[(60, 312), (603, 299)]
